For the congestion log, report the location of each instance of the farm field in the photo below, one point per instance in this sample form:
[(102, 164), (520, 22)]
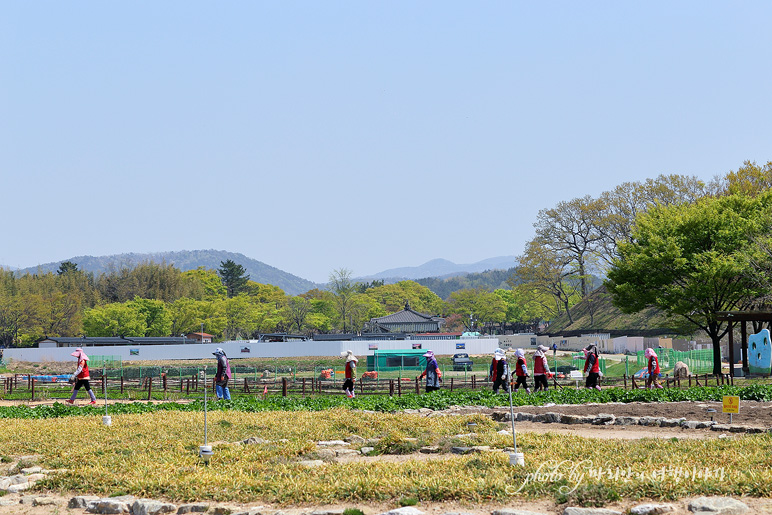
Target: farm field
[(150, 451)]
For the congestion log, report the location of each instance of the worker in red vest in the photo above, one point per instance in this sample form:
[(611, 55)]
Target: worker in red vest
[(591, 366), (81, 377), (351, 372), (499, 371), (521, 371), (653, 380), (541, 369)]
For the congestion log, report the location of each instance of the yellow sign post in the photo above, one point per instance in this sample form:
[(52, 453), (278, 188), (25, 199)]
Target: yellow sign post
[(731, 405)]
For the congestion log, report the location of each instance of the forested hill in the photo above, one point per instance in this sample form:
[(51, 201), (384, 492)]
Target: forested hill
[(187, 260), (488, 280)]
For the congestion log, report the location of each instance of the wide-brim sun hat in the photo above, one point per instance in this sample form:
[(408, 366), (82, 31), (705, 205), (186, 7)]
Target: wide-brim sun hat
[(429, 354), (542, 348), (218, 350), (78, 353)]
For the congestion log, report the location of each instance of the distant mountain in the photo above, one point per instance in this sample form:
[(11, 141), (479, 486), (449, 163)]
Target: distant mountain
[(187, 260), (442, 268)]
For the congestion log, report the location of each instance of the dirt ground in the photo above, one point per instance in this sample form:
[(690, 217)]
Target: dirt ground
[(752, 413), (59, 506)]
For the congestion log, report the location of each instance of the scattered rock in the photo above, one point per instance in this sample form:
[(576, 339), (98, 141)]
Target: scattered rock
[(332, 443), (651, 509), (590, 511), (690, 424), (151, 507), (31, 470), (355, 440), (462, 450), (193, 508), (405, 510), (367, 450), (671, 422), (717, 505), (328, 511), (520, 417), (512, 511), (254, 440), (626, 421), (45, 501), (109, 506), (325, 454), (430, 449), (548, 418), (721, 427), (81, 501), (603, 419)]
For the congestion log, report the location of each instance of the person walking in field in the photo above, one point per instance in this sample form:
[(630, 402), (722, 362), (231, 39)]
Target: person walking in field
[(653, 380), (223, 375), (432, 372), (521, 371), (351, 372), (591, 366), (81, 377), (541, 369), (499, 371)]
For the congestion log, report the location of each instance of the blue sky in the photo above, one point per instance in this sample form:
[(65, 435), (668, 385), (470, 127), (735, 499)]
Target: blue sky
[(314, 136)]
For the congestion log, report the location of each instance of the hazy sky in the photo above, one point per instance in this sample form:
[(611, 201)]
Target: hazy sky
[(368, 135)]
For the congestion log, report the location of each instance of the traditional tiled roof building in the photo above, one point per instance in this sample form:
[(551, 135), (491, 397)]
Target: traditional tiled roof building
[(406, 321)]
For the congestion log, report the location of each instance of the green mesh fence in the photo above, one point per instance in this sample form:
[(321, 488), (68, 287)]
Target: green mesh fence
[(698, 361)]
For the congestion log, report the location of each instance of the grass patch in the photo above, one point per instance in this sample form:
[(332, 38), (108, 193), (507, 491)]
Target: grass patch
[(155, 455)]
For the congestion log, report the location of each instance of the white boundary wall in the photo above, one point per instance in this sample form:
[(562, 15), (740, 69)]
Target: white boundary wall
[(255, 349)]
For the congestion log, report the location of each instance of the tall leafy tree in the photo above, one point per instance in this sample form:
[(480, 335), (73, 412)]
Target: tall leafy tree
[(693, 260), (233, 276), (343, 289)]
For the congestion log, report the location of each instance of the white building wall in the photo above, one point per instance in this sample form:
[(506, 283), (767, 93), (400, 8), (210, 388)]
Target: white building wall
[(252, 348)]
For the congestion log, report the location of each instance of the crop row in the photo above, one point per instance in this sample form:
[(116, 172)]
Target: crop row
[(383, 403)]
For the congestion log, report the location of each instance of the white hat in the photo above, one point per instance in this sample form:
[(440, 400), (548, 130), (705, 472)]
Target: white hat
[(349, 355)]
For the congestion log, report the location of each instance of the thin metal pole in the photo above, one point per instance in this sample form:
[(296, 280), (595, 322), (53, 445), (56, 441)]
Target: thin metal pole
[(205, 398), (512, 418)]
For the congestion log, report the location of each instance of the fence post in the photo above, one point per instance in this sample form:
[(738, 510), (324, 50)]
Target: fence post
[(417, 387), (121, 381), (399, 388), (391, 387), (246, 385), (451, 384), (33, 389), (624, 376), (304, 387), (283, 386), (149, 387)]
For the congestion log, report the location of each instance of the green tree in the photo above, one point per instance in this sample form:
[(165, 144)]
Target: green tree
[(569, 230), (234, 277), (203, 284), (545, 272), (297, 311), (67, 267), (114, 320), (158, 320), (693, 260), (484, 307), (344, 289)]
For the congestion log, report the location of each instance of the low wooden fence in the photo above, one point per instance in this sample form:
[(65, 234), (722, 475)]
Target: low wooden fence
[(26, 387)]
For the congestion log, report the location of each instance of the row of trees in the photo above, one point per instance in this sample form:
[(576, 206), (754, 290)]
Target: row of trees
[(160, 300), (675, 243), (578, 241)]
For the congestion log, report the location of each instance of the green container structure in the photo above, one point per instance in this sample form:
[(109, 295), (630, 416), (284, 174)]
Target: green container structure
[(401, 359)]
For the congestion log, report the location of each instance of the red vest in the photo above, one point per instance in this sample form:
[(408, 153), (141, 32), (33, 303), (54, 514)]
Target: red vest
[(538, 365), (349, 371), (595, 366), (653, 366), (84, 372), (494, 369), (519, 367)]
